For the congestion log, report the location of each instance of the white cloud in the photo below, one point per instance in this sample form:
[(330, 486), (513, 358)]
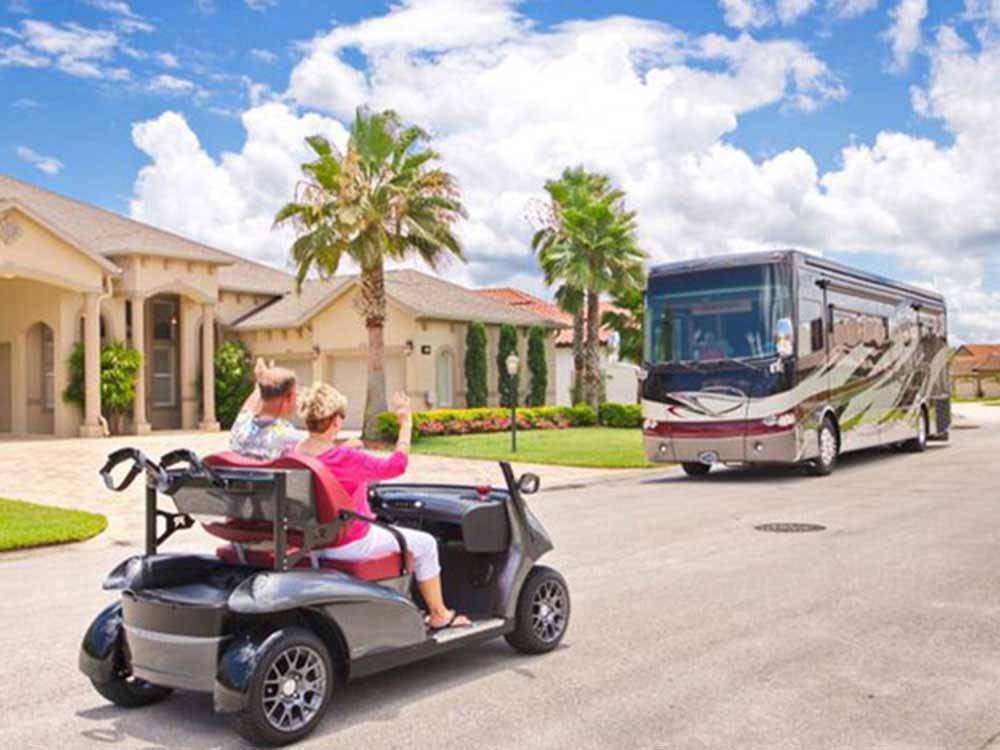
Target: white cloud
[(170, 85), (18, 56), (851, 8), (74, 49), (510, 105), (263, 55), (983, 10), (904, 34), (742, 14), (48, 164), (168, 60), (260, 5), (228, 202), (24, 103), (790, 11)]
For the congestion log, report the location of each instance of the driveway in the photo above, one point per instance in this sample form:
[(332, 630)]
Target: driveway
[(64, 472), (690, 628)]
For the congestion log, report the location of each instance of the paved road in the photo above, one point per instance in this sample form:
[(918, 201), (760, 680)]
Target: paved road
[(690, 629)]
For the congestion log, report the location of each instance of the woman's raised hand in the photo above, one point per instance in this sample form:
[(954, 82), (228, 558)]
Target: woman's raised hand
[(401, 404)]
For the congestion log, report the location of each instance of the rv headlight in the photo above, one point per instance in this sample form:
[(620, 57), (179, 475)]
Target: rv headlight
[(649, 424), (641, 374), (780, 420)]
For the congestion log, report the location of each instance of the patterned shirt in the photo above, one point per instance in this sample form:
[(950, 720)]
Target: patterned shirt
[(266, 438)]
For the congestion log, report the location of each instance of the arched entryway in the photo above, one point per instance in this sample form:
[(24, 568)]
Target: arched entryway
[(39, 369)]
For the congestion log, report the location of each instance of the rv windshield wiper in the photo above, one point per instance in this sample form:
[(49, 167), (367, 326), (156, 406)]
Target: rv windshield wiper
[(731, 361)]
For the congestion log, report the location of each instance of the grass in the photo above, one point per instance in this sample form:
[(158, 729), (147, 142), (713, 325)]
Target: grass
[(31, 525), (597, 447)]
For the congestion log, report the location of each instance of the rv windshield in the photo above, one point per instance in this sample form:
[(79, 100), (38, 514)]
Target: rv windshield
[(718, 314)]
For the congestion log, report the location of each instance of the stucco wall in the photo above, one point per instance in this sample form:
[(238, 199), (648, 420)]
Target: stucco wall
[(39, 254)]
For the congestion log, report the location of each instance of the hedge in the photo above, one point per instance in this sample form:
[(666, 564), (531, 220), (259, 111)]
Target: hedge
[(620, 415), (497, 419)]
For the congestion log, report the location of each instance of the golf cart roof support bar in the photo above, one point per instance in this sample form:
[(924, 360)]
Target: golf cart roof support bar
[(150, 517)]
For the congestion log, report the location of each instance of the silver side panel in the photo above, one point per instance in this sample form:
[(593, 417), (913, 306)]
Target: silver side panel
[(177, 661)]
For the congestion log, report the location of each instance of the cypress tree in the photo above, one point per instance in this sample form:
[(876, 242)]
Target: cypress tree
[(476, 388), (537, 367), (509, 386)]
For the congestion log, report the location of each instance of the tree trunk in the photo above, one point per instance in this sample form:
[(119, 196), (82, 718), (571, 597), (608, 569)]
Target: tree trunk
[(577, 388), (373, 306), (592, 375)]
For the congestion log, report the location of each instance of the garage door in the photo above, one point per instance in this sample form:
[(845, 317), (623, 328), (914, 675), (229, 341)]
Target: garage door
[(349, 375), (303, 369), (5, 396)]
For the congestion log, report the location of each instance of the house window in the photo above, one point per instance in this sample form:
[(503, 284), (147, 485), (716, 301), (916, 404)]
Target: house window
[(444, 378), (48, 368)]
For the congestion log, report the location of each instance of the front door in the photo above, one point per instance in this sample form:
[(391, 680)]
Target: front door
[(164, 363), (6, 399)]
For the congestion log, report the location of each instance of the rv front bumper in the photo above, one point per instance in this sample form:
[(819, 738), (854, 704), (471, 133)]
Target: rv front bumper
[(784, 446)]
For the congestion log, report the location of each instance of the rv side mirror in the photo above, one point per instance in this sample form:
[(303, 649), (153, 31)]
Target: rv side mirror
[(529, 483)]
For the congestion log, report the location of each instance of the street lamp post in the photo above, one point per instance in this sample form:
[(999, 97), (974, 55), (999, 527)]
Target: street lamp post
[(513, 362)]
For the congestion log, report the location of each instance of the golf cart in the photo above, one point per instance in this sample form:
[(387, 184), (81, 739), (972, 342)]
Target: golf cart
[(267, 626)]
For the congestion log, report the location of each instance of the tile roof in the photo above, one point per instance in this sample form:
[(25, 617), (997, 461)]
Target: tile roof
[(977, 352), (428, 296), (518, 299), (105, 232), (249, 276)]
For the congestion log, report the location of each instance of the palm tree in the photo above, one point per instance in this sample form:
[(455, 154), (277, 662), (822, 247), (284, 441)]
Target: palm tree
[(380, 200), (591, 246), (626, 319)]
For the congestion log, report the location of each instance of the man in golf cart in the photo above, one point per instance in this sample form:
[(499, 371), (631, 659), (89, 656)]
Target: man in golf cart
[(263, 431)]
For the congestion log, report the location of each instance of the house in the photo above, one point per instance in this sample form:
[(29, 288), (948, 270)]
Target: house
[(73, 273), (620, 377), (318, 334), (975, 371)]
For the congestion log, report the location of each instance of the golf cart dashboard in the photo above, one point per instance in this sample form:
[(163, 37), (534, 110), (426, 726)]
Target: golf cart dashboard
[(453, 513)]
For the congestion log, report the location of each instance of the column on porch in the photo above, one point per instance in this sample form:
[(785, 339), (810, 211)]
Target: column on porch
[(140, 422), (208, 422), (91, 426)]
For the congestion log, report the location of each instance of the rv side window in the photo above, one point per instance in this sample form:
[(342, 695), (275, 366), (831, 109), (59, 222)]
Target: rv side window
[(810, 327)]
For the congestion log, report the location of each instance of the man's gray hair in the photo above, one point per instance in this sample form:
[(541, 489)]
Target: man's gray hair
[(275, 383)]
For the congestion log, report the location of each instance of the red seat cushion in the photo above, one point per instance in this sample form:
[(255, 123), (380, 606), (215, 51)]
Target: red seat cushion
[(374, 569)]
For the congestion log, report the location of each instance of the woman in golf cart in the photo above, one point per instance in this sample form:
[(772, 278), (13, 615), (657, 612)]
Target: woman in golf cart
[(323, 409)]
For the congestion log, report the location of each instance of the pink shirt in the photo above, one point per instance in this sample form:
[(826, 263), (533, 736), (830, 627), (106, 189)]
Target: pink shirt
[(354, 469)]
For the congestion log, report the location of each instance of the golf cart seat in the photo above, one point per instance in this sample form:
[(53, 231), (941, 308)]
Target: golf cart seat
[(315, 504)]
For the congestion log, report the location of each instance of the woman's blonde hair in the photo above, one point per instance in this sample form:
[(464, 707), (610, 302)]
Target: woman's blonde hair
[(319, 404)]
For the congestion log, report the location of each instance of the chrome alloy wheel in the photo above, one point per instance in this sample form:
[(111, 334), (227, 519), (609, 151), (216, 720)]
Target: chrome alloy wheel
[(827, 445), (294, 688), (548, 611)]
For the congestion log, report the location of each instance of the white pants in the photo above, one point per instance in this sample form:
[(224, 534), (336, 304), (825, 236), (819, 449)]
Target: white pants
[(379, 542)]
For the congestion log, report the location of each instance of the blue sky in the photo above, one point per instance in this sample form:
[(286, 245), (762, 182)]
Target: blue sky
[(140, 106)]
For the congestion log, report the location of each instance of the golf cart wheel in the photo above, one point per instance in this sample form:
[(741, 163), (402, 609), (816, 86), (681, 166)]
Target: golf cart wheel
[(542, 612), (131, 692), (289, 691), (919, 443), (829, 447), (696, 468)]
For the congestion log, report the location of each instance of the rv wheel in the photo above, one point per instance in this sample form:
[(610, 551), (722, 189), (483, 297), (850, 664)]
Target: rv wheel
[(542, 612), (131, 692), (289, 690), (919, 443), (829, 446), (696, 468)]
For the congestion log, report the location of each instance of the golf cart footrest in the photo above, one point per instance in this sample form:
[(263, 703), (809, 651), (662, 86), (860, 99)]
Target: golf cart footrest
[(374, 569)]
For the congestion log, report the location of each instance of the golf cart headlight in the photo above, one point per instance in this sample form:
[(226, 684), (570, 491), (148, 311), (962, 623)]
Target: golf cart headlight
[(780, 420)]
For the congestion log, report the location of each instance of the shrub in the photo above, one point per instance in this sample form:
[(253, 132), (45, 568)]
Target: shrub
[(508, 385), (476, 387), (120, 366), (581, 415), (233, 381), (620, 415), (471, 421), (537, 367)]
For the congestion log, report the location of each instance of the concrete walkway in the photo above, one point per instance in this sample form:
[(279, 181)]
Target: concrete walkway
[(64, 472)]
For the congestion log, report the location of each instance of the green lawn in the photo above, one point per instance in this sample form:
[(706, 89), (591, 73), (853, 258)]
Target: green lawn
[(30, 525), (599, 447)]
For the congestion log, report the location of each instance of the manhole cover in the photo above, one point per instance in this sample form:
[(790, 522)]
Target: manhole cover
[(790, 528)]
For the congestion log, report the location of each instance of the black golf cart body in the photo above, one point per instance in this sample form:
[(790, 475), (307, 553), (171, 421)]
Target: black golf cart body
[(211, 622)]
